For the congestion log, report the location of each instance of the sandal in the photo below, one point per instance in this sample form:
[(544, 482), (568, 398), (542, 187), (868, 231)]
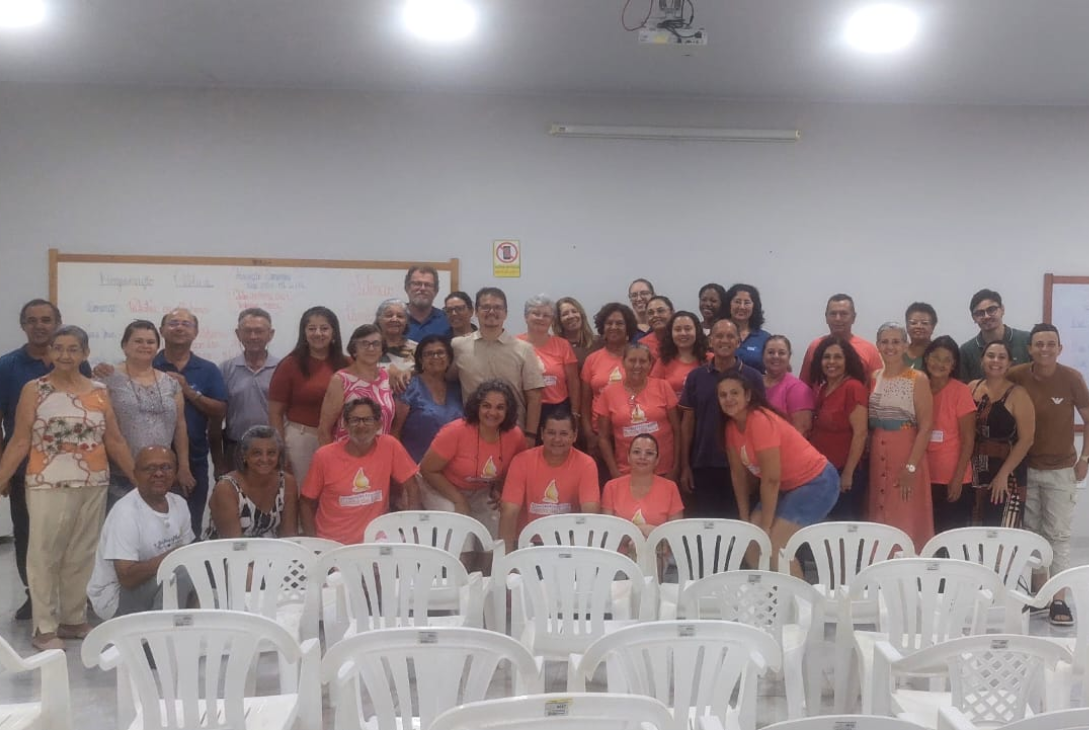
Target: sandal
[(1060, 614)]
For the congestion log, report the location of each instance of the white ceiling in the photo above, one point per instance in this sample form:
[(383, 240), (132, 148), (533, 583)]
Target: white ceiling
[(1025, 52)]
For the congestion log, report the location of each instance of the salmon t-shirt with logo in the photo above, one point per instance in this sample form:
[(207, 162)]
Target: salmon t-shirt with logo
[(634, 415), (471, 462), (601, 368), (353, 490), (542, 489), (555, 356), (799, 461), (660, 503), (673, 372)]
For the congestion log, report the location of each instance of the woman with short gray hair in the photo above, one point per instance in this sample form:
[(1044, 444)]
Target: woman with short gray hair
[(257, 499), (563, 389), (901, 415), (391, 319)]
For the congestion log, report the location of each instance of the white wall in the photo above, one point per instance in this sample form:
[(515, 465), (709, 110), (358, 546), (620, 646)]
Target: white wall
[(889, 203)]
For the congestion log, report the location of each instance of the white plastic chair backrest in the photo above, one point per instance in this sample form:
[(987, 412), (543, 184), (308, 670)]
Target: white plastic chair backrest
[(568, 590), (431, 670), (844, 722), (389, 585), (992, 677), (1076, 719), (1008, 551), (759, 598), (842, 549), (200, 655), (317, 545), (703, 547), (447, 531), (929, 600), (584, 530), (1075, 580), (239, 575), (566, 711), (694, 667), (54, 702)]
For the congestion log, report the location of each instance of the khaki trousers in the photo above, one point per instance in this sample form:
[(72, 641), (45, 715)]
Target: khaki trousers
[(300, 442), (64, 528)]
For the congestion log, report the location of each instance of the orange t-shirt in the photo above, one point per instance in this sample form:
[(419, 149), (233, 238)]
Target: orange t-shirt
[(600, 369), (542, 489), (951, 403), (651, 341), (647, 412), (353, 490), (471, 462), (661, 502), (555, 356), (674, 372), (799, 461)]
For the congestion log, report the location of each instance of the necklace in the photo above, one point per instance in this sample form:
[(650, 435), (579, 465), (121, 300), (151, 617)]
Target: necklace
[(140, 405)]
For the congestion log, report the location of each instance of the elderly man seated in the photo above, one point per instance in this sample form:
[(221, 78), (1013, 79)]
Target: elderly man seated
[(142, 528)]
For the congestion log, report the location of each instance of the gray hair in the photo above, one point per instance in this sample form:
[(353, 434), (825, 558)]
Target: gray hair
[(892, 326), (252, 434), (393, 301), (254, 312), (539, 300), (71, 330)]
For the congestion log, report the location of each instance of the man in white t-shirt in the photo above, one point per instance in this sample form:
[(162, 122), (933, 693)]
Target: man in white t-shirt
[(142, 528)]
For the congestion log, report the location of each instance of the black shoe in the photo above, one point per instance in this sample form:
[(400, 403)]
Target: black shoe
[(25, 611)]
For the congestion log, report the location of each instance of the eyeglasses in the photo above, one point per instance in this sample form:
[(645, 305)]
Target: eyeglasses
[(182, 323), (490, 308), (460, 309), (155, 468), (988, 312), (919, 323), (361, 420), (369, 344), (435, 355), (421, 285), (70, 351)]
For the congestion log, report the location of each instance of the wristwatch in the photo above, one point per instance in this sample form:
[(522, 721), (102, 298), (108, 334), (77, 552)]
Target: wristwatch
[(910, 468)]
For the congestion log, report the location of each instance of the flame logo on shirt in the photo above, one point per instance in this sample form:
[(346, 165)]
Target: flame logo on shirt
[(615, 376), (637, 414), (361, 483), (551, 493), (489, 471), (637, 518)]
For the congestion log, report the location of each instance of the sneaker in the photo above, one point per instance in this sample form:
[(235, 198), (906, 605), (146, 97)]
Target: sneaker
[(25, 612), (76, 631), (45, 642)]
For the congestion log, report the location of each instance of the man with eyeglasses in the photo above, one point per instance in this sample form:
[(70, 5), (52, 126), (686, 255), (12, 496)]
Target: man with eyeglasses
[(145, 526), (247, 377), (205, 396), (349, 482), (987, 312), (840, 315), (493, 353), (38, 319), (421, 288)]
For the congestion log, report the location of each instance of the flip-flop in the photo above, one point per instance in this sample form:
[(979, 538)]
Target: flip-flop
[(1060, 614)]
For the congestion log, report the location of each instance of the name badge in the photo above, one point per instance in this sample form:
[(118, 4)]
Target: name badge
[(937, 437)]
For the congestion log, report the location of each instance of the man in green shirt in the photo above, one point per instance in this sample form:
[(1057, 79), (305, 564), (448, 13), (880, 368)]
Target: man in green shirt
[(987, 312)]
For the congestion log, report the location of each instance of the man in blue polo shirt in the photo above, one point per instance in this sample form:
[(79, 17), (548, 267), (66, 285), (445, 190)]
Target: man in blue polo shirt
[(704, 469), (205, 396), (38, 319), (421, 288)]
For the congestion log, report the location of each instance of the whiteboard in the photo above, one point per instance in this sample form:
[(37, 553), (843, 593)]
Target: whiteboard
[(103, 294), (1066, 305)]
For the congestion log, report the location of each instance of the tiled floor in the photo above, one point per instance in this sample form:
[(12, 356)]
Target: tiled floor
[(94, 691)]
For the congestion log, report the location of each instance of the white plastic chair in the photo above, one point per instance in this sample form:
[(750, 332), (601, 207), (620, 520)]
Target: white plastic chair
[(923, 601), (700, 548), (562, 598), (844, 722), (1075, 580), (787, 608), (430, 670), (264, 576), (456, 534), (1077, 719), (1012, 553), (53, 710), (567, 711), (840, 550), (333, 609), (983, 681), (393, 585), (693, 666), (184, 670), (607, 532)]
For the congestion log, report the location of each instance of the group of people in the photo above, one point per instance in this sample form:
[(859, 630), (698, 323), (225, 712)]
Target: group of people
[(659, 414)]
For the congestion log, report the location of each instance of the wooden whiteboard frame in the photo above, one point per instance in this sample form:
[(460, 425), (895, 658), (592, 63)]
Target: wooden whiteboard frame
[(1050, 280), (56, 258)]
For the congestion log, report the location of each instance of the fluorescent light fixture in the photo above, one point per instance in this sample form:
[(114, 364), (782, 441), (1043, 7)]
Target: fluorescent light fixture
[(440, 21), (881, 28), (19, 14), (698, 134)]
